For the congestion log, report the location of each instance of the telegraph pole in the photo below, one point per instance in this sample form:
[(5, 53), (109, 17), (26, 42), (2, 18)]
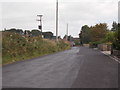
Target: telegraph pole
[(67, 32), (57, 20), (40, 26)]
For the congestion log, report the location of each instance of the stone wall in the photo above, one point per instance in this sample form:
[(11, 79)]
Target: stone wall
[(104, 47), (116, 53), (86, 45)]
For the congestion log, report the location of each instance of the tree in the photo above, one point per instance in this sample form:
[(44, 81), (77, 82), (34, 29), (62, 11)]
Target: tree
[(65, 37), (85, 34), (110, 37), (116, 42), (13, 30), (48, 35), (70, 38), (114, 26), (27, 32), (19, 31), (98, 32), (35, 33)]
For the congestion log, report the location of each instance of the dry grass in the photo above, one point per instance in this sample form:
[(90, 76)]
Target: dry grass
[(16, 47)]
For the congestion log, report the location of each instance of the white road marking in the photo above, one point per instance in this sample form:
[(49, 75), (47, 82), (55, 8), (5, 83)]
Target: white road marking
[(115, 58), (112, 57)]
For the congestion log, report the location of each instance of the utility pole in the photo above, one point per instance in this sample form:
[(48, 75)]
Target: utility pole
[(57, 20), (67, 32), (40, 20)]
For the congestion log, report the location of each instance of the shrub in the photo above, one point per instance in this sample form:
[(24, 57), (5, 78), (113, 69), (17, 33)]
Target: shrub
[(17, 47)]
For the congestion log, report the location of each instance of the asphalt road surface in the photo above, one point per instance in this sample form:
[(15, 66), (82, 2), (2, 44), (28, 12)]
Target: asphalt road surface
[(79, 67)]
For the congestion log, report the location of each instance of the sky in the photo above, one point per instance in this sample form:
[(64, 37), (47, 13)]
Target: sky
[(22, 14)]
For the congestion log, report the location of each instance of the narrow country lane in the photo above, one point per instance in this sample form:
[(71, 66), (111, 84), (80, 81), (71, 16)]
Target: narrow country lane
[(79, 67)]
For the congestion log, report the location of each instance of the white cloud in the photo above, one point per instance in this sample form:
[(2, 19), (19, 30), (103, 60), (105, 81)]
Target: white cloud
[(75, 12)]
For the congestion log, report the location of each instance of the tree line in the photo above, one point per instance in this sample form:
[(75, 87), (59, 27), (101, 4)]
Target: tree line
[(100, 33), (35, 32), (31, 33)]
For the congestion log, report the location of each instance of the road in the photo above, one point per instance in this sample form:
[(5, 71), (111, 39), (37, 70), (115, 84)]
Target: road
[(79, 67)]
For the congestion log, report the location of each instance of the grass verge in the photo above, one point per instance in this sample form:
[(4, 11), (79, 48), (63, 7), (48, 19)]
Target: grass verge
[(16, 47)]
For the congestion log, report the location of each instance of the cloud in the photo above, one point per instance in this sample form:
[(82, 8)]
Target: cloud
[(24, 14), (119, 12), (75, 12), (80, 13)]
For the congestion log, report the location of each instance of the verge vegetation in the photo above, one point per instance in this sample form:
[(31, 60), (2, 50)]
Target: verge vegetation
[(100, 34), (16, 47)]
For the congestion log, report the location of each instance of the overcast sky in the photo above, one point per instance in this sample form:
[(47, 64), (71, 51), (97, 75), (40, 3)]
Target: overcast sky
[(23, 14)]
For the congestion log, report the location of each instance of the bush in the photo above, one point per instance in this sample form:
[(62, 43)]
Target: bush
[(77, 42), (116, 42), (110, 37), (17, 47), (95, 44)]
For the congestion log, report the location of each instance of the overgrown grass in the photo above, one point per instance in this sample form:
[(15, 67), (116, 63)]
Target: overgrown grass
[(16, 47)]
